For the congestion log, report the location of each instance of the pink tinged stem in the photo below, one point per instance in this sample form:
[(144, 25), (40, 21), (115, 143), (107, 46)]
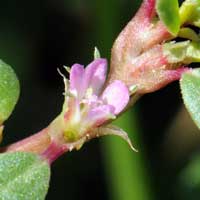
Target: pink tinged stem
[(36, 143), (53, 152), (39, 143)]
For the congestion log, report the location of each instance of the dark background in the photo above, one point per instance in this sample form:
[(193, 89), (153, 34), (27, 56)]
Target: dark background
[(36, 38)]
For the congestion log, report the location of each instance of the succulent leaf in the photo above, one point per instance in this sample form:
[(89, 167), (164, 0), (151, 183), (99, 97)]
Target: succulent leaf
[(23, 176), (190, 12), (168, 12), (9, 91), (190, 88)]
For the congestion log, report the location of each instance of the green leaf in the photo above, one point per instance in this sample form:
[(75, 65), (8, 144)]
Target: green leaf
[(23, 176), (190, 12), (182, 52), (9, 91), (168, 11), (190, 87), (188, 33)]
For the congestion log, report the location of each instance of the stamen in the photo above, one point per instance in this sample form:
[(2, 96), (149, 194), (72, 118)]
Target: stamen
[(89, 93)]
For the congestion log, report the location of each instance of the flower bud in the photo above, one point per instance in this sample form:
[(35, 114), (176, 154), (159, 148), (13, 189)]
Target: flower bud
[(142, 55)]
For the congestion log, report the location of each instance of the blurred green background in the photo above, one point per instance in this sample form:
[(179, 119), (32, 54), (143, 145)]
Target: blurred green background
[(36, 38)]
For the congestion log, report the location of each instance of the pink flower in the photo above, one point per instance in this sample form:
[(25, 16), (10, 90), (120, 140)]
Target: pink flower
[(87, 105)]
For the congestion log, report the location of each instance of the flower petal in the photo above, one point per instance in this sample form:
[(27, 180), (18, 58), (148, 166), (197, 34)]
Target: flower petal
[(76, 79), (72, 113), (117, 95), (99, 115), (95, 75)]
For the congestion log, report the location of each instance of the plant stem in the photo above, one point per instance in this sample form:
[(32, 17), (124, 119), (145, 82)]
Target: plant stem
[(53, 152), (40, 143), (36, 143)]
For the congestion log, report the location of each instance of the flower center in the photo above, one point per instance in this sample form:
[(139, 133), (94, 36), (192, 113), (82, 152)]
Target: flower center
[(71, 134)]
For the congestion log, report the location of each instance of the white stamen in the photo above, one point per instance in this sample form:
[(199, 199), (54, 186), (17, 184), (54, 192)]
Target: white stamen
[(89, 92)]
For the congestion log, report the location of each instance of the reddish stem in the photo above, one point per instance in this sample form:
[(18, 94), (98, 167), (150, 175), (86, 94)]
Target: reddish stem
[(36, 143), (53, 152), (40, 143)]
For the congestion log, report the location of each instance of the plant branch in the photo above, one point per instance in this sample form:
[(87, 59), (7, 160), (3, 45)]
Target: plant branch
[(36, 143)]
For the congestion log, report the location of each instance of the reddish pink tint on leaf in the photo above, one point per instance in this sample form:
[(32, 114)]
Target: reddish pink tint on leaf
[(137, 54), (147, 10)]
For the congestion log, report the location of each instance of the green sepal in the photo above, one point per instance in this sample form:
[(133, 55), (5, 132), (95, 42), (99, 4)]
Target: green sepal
[(190, 88), (9, 91), (23, 176), (168, 11)]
